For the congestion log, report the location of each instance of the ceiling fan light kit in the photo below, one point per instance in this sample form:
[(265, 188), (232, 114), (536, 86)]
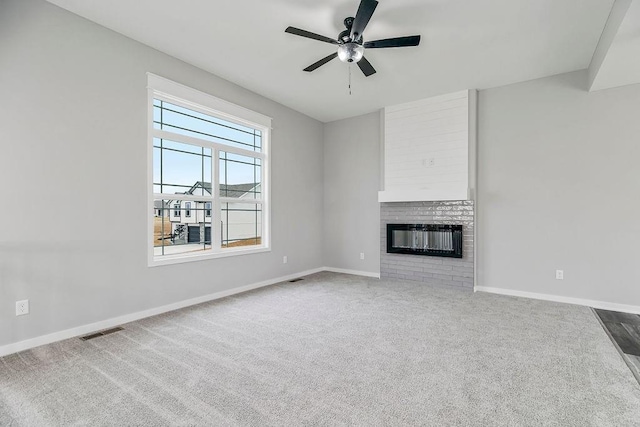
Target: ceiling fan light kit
[(350, 42), (350, 52)]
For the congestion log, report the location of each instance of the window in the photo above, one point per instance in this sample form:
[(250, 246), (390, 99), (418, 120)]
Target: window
[(209, 159)]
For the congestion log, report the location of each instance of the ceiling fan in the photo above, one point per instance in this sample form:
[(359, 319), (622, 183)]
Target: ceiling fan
[(350, 42)]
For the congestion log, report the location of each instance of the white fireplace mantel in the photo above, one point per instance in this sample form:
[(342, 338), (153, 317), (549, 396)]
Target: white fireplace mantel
[(434, 195)]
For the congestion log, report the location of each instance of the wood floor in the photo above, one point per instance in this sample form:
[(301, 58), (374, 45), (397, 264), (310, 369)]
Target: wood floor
[(624, 329)]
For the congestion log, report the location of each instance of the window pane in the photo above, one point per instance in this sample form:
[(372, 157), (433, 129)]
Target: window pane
[(183, 121), (208, 229), (156, 166), (240, 176), (161, 224), (181, 168), (157, 118), (181, 227), (241, 224), (174, 189), (178, 146)]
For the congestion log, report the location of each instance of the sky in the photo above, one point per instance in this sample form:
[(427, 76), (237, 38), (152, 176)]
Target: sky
[(192, 163)]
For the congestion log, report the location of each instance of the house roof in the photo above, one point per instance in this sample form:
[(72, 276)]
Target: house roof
[(158, 204), (236, 190), (226, 190)]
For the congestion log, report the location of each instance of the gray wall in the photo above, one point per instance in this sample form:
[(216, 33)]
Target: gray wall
[(73, 171), (559, 188), (351, 182)]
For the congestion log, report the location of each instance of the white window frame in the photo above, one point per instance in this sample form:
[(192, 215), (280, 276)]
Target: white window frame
[(176, 93)]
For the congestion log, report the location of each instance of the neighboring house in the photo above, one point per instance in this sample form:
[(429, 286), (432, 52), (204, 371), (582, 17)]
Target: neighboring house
[(191, 220), (160, 209)]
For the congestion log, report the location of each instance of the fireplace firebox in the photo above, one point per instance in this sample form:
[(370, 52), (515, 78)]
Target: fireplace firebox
[(425, 239)]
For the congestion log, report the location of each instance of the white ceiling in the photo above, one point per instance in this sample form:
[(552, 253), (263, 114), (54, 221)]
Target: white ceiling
[(621, 65), (465, 44)]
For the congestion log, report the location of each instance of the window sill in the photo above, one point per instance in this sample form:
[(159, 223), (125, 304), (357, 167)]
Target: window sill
[(181, 258)]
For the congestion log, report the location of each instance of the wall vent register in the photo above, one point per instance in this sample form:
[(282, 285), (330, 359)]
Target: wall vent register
[(425, 239), (101, 333)]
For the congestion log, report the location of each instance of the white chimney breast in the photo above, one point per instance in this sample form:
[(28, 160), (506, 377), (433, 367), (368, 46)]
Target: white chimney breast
[(429, 149)]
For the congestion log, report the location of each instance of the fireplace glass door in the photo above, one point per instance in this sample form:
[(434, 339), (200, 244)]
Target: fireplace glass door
[(425, 239)]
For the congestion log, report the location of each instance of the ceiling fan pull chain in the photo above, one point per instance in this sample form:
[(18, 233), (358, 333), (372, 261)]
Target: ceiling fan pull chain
[(349, 79)]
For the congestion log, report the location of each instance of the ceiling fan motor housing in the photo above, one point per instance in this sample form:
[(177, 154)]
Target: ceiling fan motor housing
[(348, 22)]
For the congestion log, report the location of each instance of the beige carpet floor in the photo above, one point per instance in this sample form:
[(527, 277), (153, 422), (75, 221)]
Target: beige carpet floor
[(333, 350)]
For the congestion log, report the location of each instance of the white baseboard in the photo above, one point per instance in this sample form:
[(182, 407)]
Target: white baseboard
[(354, 272), (624, 308), (110, 323)]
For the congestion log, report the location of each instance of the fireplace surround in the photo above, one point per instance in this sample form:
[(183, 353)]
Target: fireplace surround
[(440, 271)]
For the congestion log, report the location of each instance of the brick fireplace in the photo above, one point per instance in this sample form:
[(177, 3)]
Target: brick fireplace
[(453, 272)]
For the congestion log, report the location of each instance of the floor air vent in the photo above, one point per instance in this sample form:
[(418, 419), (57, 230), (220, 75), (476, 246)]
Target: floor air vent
[(296, 280), (99, 334)]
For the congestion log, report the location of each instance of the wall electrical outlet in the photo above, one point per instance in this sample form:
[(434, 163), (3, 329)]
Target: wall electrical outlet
[(559, 274), (361, 255), (22, 307), (284, 259)]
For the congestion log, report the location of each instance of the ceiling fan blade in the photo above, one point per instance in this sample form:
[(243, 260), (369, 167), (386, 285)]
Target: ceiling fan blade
[(321, 62), (366, 67), (365, 11), (309, 35), (394, 42)]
